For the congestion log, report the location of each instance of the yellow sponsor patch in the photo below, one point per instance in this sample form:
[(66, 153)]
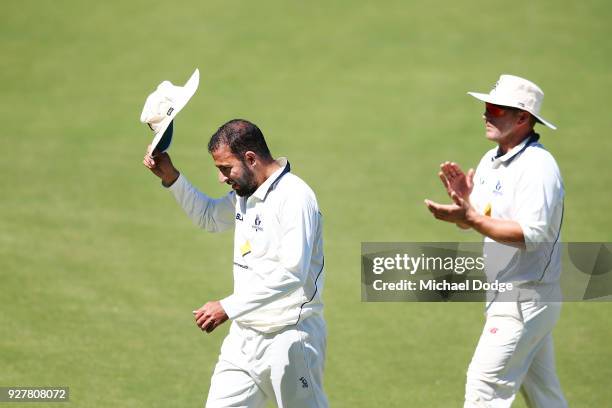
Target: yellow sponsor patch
[(487, 210), (245, 248)]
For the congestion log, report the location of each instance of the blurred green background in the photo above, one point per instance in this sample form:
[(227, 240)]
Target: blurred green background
[(100, 269)]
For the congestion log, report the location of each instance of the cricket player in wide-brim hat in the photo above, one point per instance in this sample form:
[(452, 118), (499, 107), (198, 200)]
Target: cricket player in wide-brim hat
[(515, 200)]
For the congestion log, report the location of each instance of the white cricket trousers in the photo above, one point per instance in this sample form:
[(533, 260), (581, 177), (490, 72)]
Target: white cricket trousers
[(285, 366), (515, 349)]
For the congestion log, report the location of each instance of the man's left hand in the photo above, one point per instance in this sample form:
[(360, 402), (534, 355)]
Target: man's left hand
[(210, 316), (460, 212)]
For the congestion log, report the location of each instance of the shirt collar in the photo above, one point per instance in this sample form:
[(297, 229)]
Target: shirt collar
[(515, 151), (263, 190)]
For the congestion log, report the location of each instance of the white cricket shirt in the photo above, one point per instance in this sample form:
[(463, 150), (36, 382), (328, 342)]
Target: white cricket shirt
[(523, 185), (278, 248)]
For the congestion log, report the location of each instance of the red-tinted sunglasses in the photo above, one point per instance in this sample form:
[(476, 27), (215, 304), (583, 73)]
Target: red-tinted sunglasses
[(496, 110)]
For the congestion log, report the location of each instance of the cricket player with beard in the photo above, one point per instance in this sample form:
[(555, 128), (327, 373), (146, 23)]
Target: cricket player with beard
[(515, 200), (276, 344)]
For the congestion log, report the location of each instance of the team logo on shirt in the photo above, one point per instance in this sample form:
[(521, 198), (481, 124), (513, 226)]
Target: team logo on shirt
[(257, 224), (245, 248), (304, 382), (239, 217), (487, 210), (498, 188)]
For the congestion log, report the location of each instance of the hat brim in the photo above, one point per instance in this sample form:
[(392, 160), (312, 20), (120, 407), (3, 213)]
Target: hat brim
[(163, 138), (496, 101), (162, 141)]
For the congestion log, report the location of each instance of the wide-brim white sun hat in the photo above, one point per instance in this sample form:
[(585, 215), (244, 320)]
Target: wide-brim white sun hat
[(162, 106), (516, 92)]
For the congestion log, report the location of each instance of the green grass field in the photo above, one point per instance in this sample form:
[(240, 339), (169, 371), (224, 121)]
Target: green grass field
[(100, 269)]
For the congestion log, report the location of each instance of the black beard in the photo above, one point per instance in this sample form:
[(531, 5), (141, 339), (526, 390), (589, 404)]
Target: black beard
[(246, 191), (247, 186)]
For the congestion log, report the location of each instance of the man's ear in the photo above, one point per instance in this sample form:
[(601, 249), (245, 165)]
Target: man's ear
[(524, 117), (250, 158)]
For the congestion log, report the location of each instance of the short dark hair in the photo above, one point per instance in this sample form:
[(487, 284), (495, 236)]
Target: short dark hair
[(241, 136)]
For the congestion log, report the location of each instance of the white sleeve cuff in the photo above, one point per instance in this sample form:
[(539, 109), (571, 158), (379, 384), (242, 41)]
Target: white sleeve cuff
[(531, 236), (231, 305)]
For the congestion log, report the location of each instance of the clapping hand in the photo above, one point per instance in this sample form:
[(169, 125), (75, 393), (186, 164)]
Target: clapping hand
[(458, 186), (454, 179)]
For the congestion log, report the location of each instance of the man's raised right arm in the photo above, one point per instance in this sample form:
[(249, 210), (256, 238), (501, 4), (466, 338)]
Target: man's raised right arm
[(213, 215)]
